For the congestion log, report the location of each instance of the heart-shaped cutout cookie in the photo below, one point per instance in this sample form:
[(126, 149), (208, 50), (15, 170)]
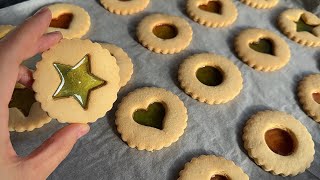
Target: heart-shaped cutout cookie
[(152, 117), (303, 26), (263, 46), (22, 99), (62, 21), (316, 97), (212, 6), (209, 76)]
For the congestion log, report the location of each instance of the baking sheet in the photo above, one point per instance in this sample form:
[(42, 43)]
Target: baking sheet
[(212, 129)]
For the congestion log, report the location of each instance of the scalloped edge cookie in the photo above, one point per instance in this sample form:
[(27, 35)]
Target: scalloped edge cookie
[(125, 7), (164, 46), (258, 150), (261, 61), (47, 80), (145, 137), (222, 93), (206, 166), (309, 85), (5, 29), (210, 19), (261, 4), (287, 25)]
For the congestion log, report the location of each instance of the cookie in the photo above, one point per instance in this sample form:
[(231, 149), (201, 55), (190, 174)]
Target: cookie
[(210, 13), (164, 34), (5, 29), (25, 113), (151, 118), (300, 26), (261, 4), (125, 7), (71, 20), (278, 143), (76, 81), (210, 78), (211, 167), (262, 50), (309, 95), (123, 61)]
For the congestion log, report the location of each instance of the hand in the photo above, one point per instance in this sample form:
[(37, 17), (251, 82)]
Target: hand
[(21, 44)]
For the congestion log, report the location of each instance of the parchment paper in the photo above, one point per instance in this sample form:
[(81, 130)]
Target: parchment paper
[(212, 129)]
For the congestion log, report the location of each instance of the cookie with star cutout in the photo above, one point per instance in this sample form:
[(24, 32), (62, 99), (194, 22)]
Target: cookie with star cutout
[(76, 81)]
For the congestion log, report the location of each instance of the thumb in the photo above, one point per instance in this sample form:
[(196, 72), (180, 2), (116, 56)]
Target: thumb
[(54, 150)]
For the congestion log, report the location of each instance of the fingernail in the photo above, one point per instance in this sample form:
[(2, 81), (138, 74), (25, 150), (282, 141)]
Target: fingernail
[(41, 11), (83, 130)]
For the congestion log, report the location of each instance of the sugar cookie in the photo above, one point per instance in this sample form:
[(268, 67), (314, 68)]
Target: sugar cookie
[(300, 26), (25, 114), (210, 78), (212, 13), (278, 143), (71, 20), (261, 4), (123, 61), (5, 29), (125, 7), (76, 81), (164, 34), (211, 167), (151, 118), (309, 95), (262, 50)]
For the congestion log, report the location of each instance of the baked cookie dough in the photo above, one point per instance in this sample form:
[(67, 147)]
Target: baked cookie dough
[(211, 167), (164, 34), (300, 26), (71, 20), (261, 4), (151, 118), (212, 13), (262, 50), (76, 81), (25, 114), (123, 61), (278, 143), (125, 7), (5, 29), (309, 95), (210, 78)]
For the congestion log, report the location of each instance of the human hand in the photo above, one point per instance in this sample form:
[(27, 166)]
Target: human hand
[(22, 43)]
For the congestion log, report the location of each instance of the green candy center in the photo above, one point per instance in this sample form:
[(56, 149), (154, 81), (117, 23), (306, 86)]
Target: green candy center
[(165, 31), (152, 117), (212, 6), (23, 100), (303, 26), (263, 46), (209, 76)]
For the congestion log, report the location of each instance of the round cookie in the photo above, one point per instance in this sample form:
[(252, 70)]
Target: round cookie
[(125, 7), (210, 78), (5, 29), (261, 4), (123, 61), (151, 118), (211, 167), (25, 114), (300, 26), (262, 50), (71, 20), (164, 34), (278, 143), (210, 13), (309, 95), (76, 81)]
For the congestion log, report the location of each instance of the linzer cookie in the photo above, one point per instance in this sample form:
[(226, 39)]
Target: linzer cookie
[(125, 7), (261, 4)]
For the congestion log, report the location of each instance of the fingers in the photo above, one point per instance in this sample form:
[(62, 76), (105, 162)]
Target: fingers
[(55, 149), (48, 40), (25, 76)]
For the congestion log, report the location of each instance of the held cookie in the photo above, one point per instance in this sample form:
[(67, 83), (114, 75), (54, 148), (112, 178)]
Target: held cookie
[(71, 20), (278, 143), (5, 29), (261, 4), (212, 13), (25, 113), (151, 118), (164, 34), (300, 26), (76, 81), (210, 78), (309, 95), (262, 50), (125, 7), (123, 61), (212, 167)]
